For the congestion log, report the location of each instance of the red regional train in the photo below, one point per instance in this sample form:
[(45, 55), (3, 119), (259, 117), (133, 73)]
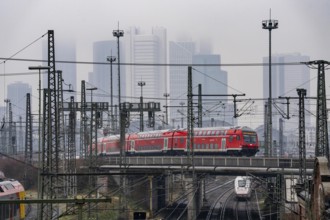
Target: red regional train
[(11, 190), (236, 141)]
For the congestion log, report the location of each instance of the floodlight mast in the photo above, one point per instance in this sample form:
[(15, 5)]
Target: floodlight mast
[(269, 25), (141, 84), (111, 59), (118, 33)]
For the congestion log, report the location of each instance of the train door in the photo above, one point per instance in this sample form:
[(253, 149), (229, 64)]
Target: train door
[(223, 144), (165, 144), (175, 144), (102, 148), (132, 146)]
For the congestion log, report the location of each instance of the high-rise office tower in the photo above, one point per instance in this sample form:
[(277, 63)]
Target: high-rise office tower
[(285, 81), (147, 49), (65, 50), (214, 81), (179, 53), (101, 75), (16, 93)]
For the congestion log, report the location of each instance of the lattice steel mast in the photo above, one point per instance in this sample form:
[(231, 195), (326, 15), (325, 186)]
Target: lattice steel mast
[(322, 140), (302, 136), (62, 163), (71, 163), (50, 154), (28, 130), (12, 133), (83, 123)]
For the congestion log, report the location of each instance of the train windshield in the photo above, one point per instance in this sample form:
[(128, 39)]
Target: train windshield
[(250, 138), (241, 183)]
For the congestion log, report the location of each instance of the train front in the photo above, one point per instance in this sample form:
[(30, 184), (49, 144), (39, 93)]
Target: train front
[(250, 144), (243, 187)]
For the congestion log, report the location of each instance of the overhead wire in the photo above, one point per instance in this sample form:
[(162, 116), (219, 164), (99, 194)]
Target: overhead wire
[(217, 81), (299, 86), (11, 57), (153, 64), (149, 64)]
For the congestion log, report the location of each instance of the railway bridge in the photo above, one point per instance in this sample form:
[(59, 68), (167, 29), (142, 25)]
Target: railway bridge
[(194, 170)]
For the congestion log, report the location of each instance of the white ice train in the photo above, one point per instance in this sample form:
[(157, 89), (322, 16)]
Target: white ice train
[(243, 186)]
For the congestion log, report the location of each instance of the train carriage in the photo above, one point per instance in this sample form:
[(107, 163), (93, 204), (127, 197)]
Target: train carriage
[(239, 141), (154, 142), (11, 190), (243, 187), (109, 145)]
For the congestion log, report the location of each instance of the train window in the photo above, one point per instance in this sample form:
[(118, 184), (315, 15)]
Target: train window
[(207, 146), (241, 183), (203, 146), (250, 138), (198, 146), (230, 138), (211, 146), (216, 146), (181, 140), (209, 133), (9, 186)]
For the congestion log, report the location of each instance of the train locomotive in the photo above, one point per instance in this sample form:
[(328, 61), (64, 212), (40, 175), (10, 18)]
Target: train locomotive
[(236, 141), (11, 190), (243, 187)]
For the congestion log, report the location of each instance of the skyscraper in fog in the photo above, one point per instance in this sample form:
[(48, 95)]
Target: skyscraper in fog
[(100, 77), (16, 93), (285, 81), (212, 79), (65, 50), (150, 49), (179, 53)]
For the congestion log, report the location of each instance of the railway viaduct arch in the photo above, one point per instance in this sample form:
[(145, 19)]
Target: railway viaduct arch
[(320, 191)]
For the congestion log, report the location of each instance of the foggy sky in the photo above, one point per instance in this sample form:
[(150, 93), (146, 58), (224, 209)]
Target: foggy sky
[(233, 27)]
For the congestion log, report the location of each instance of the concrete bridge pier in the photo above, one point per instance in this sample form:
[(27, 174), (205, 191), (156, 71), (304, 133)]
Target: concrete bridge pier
[(156, 193), (194, 190), (169, 188), (320, 195)]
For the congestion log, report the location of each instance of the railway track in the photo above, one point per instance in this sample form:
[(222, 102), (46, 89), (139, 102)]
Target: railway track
[(242, 210), (226, 206), (217, 209)]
